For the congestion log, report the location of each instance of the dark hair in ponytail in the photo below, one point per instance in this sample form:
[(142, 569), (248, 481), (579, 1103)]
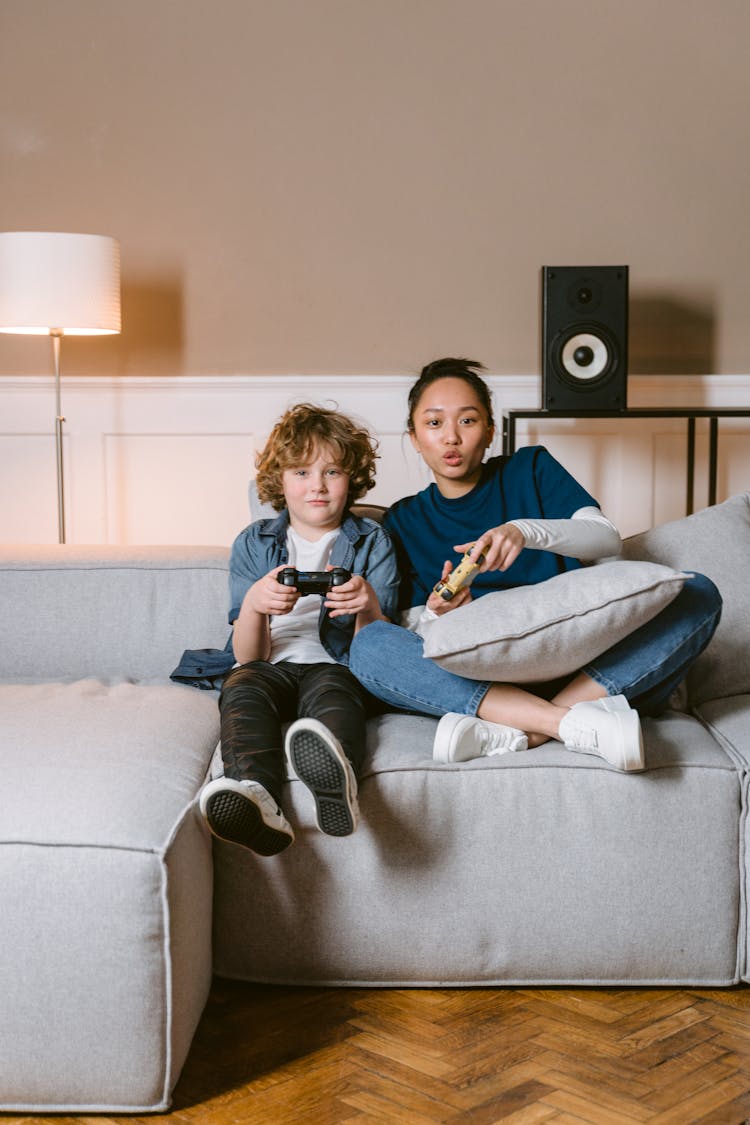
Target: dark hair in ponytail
[(466, 369)]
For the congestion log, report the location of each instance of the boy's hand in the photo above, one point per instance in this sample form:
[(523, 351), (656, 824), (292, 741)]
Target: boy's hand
[(439, 605), (355, 596), (268, 596)]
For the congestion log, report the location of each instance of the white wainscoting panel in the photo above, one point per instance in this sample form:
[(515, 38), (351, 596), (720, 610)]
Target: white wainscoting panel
[(168, 460), (160, 487), (734, 460), (637, 469), (28, 489)]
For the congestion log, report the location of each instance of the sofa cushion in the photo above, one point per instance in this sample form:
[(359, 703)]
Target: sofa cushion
[(727, 719), (536, 633), (114, 765), (63, 606), (729, 722), (107, 878), (539, 867), (714, 542)]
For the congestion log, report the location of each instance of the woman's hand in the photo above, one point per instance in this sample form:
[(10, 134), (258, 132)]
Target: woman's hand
[(268, 596), (500, 546), (440, 605)]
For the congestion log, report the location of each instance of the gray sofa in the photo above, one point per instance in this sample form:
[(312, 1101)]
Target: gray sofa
[(544, 868)]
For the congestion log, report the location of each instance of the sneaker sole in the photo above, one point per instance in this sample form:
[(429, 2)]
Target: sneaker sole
[(443, 747), (317, 767), (629, 724), (232, 817)]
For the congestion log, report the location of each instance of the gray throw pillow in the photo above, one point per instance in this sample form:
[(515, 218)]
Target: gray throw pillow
[(536, 633), (714, 542)]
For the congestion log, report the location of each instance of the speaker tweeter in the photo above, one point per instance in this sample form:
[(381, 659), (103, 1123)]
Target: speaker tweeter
[(584, 337)]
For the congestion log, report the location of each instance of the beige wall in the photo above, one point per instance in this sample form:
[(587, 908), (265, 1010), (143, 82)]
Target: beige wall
[(357, 186)]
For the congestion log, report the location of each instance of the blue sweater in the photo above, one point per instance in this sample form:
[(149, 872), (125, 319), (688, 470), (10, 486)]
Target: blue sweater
[(530, 484)]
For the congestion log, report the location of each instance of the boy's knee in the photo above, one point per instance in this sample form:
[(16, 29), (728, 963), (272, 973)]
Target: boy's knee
[(240, 679)]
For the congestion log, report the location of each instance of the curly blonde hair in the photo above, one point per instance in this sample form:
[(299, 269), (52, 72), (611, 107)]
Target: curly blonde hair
[(297, 438)]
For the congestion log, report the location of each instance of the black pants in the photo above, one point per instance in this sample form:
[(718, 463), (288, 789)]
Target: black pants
[(258, 698)]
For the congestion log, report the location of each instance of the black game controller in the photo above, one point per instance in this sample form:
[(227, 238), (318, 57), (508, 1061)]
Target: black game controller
[(313, 581)]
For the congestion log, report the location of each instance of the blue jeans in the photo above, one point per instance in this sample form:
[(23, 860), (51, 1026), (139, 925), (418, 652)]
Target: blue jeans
[(645, 667)]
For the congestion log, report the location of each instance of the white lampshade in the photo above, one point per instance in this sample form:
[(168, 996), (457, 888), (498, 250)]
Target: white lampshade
[(59, 283)]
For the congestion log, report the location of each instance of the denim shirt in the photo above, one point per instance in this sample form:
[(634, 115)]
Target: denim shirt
[(362, 547)]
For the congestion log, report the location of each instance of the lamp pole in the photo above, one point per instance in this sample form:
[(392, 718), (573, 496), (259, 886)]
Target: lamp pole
[(57, 334), (69, 281)]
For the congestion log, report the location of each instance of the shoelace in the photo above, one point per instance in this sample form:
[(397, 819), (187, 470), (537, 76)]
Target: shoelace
[(495, 743), (584, 737)]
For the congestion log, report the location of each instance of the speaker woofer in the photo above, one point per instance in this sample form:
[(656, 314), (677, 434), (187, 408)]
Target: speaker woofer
[(587, 356)]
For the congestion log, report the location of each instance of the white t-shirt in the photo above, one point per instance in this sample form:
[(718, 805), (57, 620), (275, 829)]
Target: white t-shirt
[(295, 636)]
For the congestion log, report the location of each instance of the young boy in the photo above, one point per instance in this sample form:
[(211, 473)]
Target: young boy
[(292, 649)]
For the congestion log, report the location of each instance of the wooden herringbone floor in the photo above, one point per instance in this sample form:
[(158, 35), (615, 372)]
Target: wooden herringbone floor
[(285, 1056)]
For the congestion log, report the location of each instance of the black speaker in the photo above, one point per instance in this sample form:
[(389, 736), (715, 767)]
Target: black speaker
[(584, 337)]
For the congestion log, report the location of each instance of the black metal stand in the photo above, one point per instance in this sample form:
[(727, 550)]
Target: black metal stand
[(688, 413)]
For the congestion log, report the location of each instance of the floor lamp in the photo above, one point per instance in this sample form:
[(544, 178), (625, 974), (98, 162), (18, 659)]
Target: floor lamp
[(59, 285)]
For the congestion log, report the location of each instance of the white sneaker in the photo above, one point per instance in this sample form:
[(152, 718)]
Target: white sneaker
[(245, 813), (318, 759), (461, 737), (608, 727)]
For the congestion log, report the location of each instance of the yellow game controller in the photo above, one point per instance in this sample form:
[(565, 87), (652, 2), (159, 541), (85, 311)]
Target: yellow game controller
[(458, 579)]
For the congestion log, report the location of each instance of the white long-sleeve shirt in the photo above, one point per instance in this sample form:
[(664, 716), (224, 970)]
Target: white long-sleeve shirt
[(588, 536)]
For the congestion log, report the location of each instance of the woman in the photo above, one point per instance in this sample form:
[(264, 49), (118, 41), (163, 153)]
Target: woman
[(530, 519)]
